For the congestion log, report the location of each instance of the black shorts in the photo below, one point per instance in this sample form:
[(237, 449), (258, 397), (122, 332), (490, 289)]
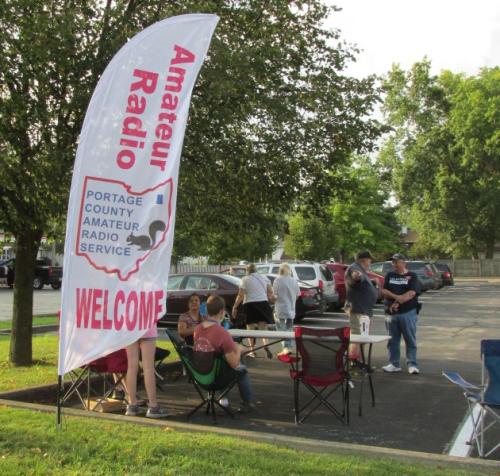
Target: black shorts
[(259, 312)]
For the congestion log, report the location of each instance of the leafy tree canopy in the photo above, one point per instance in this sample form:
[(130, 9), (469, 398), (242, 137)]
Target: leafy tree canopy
[(444, 153)]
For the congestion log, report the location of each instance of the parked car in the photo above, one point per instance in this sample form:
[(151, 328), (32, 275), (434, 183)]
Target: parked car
[(339, 269), (315, 274), (426, 275), (446, 274), (238, 270), (45, 273), (437, 276), (181, 286), (310, 301)]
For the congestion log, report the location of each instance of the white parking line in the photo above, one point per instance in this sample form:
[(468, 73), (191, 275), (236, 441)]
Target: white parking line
[(459, 446)]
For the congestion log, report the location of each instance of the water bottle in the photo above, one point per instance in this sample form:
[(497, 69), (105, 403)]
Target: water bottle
[(226, 322), (364, 324), (203, 309)]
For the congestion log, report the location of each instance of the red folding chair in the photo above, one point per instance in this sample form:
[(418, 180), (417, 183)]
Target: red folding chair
[(321, 366), (109, 367)]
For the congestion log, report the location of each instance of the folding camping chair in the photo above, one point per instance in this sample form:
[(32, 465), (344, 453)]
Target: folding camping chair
[(209, 372), (321, 365), (486, 395), (112, 364)]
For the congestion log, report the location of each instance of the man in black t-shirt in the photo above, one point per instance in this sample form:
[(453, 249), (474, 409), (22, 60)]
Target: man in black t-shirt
[(401, 290)]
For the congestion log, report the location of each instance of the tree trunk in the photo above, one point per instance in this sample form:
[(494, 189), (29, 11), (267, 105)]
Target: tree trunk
[(27, 245)]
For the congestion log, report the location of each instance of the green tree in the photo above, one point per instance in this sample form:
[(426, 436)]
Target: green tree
[(359, 219), (444, 153), (271, 114), (308, 238)]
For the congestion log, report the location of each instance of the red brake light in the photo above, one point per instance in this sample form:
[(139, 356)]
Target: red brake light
[(446, 274), (320, 284), (429, 273), (50, 271)]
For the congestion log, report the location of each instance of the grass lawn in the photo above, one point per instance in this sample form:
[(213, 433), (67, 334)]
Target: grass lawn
[(37, 321), (30, 444), (44, 369)]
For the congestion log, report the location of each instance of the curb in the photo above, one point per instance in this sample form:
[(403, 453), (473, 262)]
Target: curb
[(35, 329), (292, 442)]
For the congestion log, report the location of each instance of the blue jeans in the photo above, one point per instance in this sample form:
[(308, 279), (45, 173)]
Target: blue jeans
[(402, 324), (284, 325), (244, 384)]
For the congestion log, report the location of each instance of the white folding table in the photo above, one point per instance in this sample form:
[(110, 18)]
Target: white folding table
[(279, 336)]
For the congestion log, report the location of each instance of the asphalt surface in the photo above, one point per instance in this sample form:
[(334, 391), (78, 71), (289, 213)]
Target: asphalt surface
[(45, 301), (414, 412)]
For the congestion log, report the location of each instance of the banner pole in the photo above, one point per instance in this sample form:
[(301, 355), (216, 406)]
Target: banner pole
[(59, 403)]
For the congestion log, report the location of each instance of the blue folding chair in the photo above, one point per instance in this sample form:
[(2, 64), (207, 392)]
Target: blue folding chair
[(486, 395)]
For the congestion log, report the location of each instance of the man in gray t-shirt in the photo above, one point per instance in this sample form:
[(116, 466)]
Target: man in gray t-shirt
[(361, 295)]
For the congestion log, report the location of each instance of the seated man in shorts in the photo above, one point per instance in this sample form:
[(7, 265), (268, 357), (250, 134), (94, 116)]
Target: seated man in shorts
[(210, 336)]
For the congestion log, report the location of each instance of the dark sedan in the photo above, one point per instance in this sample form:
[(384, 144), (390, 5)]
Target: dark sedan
[(181, 286), (446, 274), (310, 301)]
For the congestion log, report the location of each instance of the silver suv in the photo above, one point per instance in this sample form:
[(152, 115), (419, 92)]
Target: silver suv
[(315, 274)]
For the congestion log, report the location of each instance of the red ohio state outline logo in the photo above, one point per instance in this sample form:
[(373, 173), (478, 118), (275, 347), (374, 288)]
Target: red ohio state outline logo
[(131, 240)]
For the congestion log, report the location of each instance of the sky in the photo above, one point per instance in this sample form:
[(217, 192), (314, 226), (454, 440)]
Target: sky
[(459, 35)]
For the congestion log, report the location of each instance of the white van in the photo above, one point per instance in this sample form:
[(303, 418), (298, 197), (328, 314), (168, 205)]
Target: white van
[(315, 274)]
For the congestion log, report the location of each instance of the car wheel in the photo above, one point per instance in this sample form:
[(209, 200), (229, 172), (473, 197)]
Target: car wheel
[(56, 285), (37, 283)]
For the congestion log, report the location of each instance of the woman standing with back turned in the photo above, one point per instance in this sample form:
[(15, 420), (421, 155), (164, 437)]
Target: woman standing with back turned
[(256, 293)]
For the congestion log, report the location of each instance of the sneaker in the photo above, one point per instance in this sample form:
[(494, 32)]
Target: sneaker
[(157, 412), (134, 410), (391, 368), (413, 370), (285, 351), (246, 407)]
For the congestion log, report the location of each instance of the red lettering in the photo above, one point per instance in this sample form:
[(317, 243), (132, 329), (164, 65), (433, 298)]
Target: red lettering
[(118, 318), (182, 55), (159, 298), (147, 83), (96, 308), (160, 149), (163, 131), (131, 317), (169, 101), (132, 127), (158, 163), (83, 302), (145, 310), (136, 104), (167, 116), (106, 323), (176, 78), (125, 159)]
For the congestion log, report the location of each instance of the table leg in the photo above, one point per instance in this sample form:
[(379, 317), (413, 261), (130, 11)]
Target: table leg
[(370, 371)]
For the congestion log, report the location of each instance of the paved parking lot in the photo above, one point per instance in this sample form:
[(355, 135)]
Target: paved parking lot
[(418, 413), (45, 301)]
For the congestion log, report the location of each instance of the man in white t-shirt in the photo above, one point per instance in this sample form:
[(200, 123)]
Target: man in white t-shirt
[(255, 293), (286, 289)]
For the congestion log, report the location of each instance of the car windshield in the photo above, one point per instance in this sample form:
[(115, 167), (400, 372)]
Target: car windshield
[(305, 273), (232, 279), (262, 269), (419, 268)]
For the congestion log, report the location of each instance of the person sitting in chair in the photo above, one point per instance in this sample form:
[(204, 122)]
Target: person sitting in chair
[(189, 320), (210, 336)]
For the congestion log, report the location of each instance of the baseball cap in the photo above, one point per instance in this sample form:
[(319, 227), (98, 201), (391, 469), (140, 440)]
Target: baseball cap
[(364, 255), (398, 257)]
